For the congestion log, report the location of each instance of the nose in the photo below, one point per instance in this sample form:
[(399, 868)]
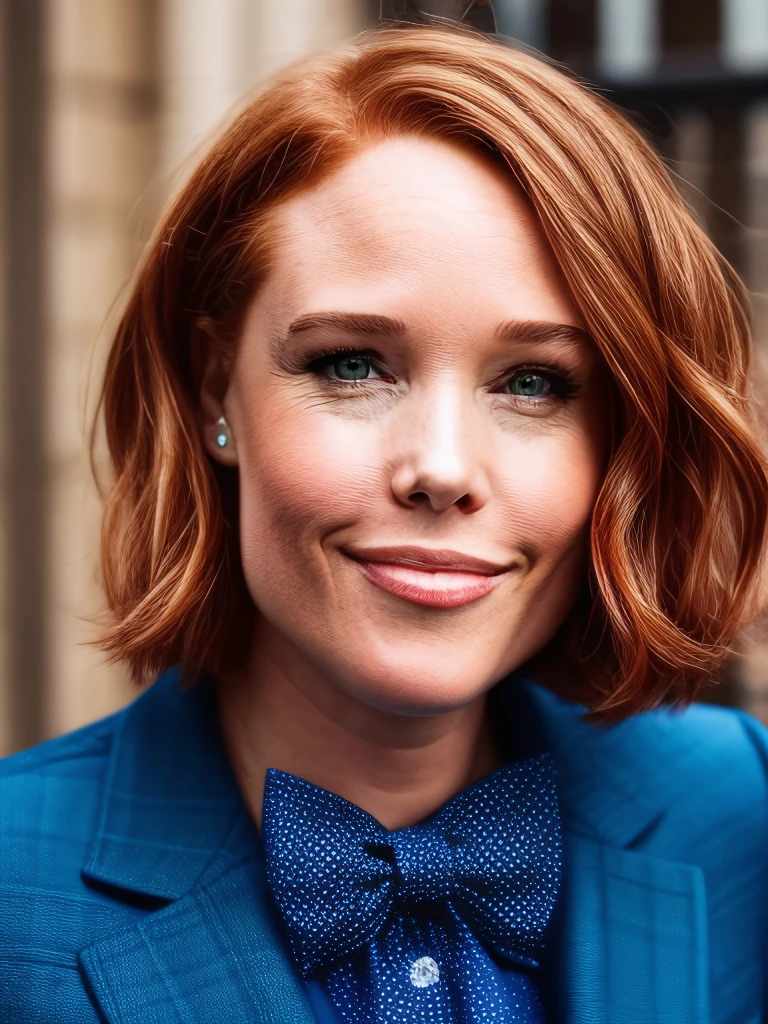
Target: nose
[(441, 452)]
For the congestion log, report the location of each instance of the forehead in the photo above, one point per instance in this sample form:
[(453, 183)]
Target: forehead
[(409, 217)]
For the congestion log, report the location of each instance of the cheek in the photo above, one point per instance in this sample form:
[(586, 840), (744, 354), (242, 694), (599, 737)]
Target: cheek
[(549, 487), (301, 476)]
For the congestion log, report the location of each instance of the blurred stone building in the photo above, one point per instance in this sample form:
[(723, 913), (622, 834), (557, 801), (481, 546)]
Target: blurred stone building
[(104, 100)]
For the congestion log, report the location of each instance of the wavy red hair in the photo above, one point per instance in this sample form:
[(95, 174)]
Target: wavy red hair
[(679, 526)]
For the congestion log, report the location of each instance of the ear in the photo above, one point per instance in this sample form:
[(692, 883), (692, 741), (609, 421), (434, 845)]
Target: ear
[(209, 370)]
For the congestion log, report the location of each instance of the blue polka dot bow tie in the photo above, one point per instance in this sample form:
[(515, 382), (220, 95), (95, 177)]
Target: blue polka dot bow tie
[(442, 921)]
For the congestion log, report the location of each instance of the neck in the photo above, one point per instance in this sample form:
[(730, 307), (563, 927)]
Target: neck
[(280, 712)]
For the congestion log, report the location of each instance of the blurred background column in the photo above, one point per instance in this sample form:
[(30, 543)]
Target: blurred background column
[(627, 37), (525, 20), (744, 48), (745, 34), (23, 550), (214, 51), (6, 714), (102, 111)]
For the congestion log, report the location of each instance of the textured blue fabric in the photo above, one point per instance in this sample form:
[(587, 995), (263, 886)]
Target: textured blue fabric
[(392, 921), (133, 890)]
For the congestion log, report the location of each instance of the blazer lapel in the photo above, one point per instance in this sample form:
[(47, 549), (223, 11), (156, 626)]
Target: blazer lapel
[(175, 835), (633, 936), (213, 955)]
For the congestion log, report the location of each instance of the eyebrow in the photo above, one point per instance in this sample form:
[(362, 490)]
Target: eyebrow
[(360, 323), (542, 330), (376, 323)]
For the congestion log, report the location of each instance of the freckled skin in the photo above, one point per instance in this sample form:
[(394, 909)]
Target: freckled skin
[(433, 452)]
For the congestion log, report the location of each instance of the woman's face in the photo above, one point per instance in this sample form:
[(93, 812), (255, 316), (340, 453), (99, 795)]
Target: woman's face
[(419, 421)]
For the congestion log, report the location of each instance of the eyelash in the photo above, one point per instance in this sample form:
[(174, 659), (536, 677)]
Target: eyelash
[(560, 378)]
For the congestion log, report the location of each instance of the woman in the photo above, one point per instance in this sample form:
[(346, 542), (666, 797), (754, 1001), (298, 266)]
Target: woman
[(429, 430)]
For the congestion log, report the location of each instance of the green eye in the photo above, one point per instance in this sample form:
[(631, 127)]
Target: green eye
[(353, 366), (529, 385)]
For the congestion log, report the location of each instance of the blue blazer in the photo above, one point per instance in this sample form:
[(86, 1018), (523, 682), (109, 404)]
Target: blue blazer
[(132, 888)]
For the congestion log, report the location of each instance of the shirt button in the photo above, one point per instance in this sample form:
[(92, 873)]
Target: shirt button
[(424, 971)]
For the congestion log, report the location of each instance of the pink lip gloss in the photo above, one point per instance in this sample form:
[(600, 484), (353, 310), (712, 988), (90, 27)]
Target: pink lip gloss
[(440, 588)]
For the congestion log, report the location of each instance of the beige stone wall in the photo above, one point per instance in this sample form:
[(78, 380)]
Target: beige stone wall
[(102, 145)]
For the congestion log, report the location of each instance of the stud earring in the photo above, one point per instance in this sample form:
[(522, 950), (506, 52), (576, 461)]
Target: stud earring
[(223, 435)]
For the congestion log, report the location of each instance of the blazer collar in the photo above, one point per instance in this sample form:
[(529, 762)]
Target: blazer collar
[(170, 799), (603, 795)]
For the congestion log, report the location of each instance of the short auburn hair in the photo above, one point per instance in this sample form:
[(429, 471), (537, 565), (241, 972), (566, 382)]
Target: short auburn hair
[(679, 525)]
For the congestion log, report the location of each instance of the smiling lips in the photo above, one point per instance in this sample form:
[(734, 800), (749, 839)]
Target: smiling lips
[(436, 578)]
